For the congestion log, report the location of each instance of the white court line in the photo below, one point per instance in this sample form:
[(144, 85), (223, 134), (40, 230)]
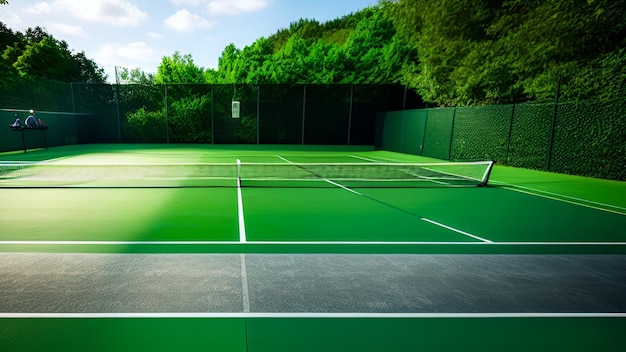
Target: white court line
[(545, 194), (428, 179), (300, 243), (342, 186), (365, 159), (244, 284), (322, 178), (423, 219), (284, 159), (307, 315), (562, 198), (456, 230), (242, 224)]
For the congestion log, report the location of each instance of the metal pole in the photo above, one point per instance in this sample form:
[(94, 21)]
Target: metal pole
[(258, 114), (451, 134), (404, 98), (425, 130), (350, 113), (508, 145), (303, 112), (73, 99), (74, 111), (212, 114), (24, 141), (556, 108), (404, 120), (119, 118), (167, 130)]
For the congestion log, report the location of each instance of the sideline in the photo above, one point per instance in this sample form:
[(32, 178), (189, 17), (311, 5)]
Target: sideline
[(562, 198)]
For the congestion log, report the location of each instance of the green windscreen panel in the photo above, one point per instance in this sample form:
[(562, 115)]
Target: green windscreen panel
[(101, 102), (327, 114), (280, 114), (481, 133), (392, 124), (415, 125), (438, 133), (589, 139), (530, 136)]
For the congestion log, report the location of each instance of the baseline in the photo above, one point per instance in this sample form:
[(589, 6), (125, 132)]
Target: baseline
[(308, 315)]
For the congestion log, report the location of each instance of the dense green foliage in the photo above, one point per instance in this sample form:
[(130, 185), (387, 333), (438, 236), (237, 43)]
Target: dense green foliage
[(488, 51), (456, 52), (35, 54), (453, 52), (449, 52), (358, 48)]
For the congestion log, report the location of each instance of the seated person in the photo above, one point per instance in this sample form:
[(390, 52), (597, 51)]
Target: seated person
[(17, 123), (31, 121)]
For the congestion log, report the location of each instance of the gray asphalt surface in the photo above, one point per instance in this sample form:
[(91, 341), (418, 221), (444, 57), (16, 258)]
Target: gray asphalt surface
[(298, 283)]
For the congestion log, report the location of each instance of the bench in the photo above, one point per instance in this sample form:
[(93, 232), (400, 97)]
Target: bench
[(22, 129)]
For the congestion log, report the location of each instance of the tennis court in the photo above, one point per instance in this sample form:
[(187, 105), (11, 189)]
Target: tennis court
[(277, 248)]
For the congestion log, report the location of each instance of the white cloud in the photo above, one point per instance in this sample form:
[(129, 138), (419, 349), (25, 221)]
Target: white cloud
[(185, 21), (155, 35), (39, 8), (234, 7), (186, 2), (114, 12), (132, 55), (12, 20), (60, 29)]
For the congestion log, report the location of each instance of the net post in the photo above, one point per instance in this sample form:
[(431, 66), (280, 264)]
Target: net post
[(487, 174), (238, 172)]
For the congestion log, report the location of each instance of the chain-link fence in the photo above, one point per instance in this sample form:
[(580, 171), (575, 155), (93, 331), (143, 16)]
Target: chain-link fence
[(574, 137), (202, 113), (582, 137)]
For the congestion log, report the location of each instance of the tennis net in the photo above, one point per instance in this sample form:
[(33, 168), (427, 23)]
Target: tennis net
[(245, 174)]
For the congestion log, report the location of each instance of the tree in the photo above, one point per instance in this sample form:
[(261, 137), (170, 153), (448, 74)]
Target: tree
[(135, 76), (489, 51), (179, 69), (378, 54), (86, 70), (545, 40), (228, 69), (37, 54), (43, 59)]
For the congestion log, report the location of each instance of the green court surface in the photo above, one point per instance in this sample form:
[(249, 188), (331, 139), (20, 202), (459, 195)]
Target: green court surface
[(315, 334), (519, 212)]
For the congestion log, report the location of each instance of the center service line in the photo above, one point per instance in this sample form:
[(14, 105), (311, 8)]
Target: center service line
[(242, 225)]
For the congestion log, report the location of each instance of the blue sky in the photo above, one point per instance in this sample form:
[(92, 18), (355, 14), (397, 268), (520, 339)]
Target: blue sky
[(139, 33)]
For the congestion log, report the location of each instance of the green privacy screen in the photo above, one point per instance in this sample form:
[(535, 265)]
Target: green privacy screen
[(583, 138)]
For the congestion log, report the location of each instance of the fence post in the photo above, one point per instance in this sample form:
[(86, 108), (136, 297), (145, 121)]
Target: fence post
[(212, 114), (452, 134), (258, 114), (404, 120), (303, 113), (552, 132), (167, 130), (73, 98), (119, 118), (350, 112), (425, 129), (508, 145)]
